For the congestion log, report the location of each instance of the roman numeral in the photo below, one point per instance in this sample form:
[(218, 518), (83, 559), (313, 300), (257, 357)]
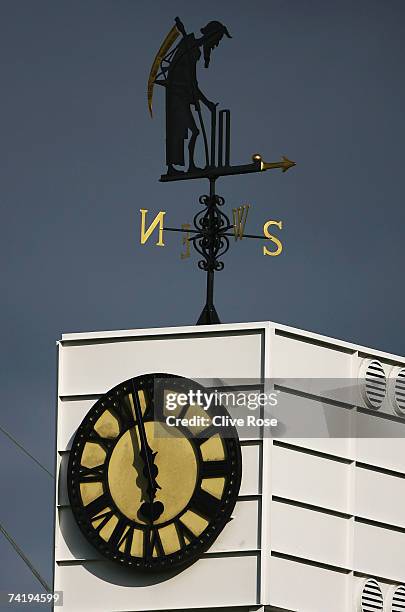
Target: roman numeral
[(123, 412), (184, 532), (117, 538), (127, 541), (95, 510), (206, 433), (205, 504), (214, 469), (149, 404), (94, 474), (183, 411), (152, 543), (106, 443)]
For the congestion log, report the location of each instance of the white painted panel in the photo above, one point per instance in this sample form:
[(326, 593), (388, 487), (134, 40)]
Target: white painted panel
[(380, 448), (380, 497), (310, 479), (242, 533), (309, 534), (70, 415), (379, 552), (302, 365), (388, 453), (305, 588), (339, 447), (250, 484), (153, 332), (95, 368), (300, 417), (104, 586), (70, 544)]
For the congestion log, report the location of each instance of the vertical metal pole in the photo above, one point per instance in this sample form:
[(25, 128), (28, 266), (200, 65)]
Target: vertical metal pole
[(210, 272), (213, 135), (209, 314), (221, 138), (228, 137)]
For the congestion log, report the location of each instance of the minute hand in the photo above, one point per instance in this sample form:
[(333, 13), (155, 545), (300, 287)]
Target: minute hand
[(146, 453)]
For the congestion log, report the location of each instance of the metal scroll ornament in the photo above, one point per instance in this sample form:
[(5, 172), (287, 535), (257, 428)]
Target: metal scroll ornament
[(213, 243)]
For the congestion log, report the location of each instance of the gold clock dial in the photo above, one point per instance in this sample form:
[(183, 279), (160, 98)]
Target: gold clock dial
[(149, 495)]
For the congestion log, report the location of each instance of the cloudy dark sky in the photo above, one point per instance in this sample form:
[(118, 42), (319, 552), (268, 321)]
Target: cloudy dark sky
[(319, 81)]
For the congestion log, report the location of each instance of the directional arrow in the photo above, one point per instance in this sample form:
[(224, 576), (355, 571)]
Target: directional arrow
[(213, 172), (285, 164)]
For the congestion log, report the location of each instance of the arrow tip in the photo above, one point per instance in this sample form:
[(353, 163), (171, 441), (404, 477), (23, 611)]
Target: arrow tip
[(287, 164)]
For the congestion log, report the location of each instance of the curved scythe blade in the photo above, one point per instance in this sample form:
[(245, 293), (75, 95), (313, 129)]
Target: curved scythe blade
[(164, 48)]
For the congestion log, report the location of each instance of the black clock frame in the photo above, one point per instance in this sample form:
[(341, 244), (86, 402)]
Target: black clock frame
[(77, 474)]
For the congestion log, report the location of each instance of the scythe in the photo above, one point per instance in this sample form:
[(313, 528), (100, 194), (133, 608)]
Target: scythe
[(164, 48)]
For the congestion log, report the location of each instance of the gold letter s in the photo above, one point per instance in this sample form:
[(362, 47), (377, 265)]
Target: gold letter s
[(158, 220), (272, 238)]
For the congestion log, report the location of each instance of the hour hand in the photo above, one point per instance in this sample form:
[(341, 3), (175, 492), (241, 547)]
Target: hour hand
[(151, 510), (150, 470)]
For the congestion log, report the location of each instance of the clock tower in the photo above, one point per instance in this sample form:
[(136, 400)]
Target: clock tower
[(304, 516)]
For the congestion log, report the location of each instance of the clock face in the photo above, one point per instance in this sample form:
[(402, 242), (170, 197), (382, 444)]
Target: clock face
[(146, 494)]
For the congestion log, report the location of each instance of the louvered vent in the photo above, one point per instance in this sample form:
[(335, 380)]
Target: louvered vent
[(397, 390), (373, 383), (371, 597), (398, 600)]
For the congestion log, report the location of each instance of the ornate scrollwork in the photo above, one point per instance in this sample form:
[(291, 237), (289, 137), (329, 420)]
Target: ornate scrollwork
[(211, 242)]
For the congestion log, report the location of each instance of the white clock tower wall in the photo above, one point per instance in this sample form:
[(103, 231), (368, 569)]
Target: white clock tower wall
[(316, 516)]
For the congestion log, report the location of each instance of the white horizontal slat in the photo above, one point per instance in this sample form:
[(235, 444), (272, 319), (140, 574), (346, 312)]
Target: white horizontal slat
[(377, 444), (309, 534), (305, 588), (308, 363), (302, 417), (250, 484), (104, 586), (338, 447), (70, 415), (95, 368), (379, 552), (240, 534), (380, 497), (311, 479)]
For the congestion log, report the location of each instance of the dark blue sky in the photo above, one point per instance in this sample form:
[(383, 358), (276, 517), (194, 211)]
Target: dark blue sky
[(321, 82)]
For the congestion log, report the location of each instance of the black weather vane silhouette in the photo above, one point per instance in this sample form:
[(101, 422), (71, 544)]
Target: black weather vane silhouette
[(175, 68)]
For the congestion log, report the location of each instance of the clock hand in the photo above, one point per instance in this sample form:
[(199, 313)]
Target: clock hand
[(154, 509)]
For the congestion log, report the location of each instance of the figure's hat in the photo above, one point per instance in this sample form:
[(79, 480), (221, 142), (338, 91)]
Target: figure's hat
[(215, 27)]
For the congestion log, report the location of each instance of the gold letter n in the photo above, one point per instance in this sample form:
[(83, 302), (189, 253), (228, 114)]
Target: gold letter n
[(158, 220)]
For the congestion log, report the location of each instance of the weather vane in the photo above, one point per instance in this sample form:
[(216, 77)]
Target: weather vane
[(175, 68)]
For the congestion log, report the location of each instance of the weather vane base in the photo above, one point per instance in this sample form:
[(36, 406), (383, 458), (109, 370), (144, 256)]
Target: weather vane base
[(209, 316)]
